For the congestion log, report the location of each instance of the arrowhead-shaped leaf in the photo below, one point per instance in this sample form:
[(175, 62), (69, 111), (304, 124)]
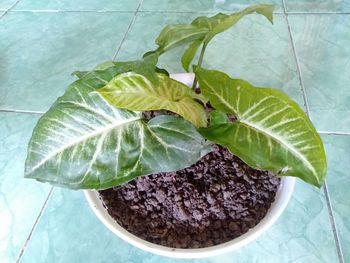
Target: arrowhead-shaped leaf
[(271, 131), (176, 35), (202, 30), (134, 92), (221, 22), (83, 142)]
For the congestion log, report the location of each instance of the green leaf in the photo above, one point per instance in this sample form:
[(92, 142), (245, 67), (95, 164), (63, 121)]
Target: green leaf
[(271, 132), (189, 54), (201, 31), (83, 142), (218, 117), (146, 67), (134, 92), (176, 35), (221, 22)]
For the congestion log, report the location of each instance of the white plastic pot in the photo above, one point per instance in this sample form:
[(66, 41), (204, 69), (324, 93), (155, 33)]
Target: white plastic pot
[(282, 198)]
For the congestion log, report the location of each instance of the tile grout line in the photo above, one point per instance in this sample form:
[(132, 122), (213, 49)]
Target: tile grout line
[(114, 11), (301, 82), (334, 227), (127, 30), (317, 13), (34, 226), (22, 111), (8, 9), (160, 11), (334, 133), (325, 188)]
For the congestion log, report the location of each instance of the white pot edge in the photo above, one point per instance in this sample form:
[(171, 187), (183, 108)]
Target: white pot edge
[(282, 198)]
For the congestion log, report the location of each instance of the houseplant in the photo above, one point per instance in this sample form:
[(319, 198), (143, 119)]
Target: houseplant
[(124, 120)]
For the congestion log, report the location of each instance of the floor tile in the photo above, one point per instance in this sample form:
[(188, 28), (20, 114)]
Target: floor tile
[(302, 234), (86, 5), (37, 60), (202, 5), (322, 45), (253, 50), (20, 199), (338, 178), (5, 4), (317, 5)]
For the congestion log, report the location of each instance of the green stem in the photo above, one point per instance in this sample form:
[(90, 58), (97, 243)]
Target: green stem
[(199, 64)]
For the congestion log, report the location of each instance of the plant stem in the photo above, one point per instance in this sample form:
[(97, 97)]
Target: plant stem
[(200, 61)]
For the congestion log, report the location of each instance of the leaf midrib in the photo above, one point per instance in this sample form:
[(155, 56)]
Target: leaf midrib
[(290, 147)]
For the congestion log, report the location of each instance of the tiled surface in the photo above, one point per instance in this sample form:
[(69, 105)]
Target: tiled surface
[(337, 148), (20, 199), (46, 48), (86, 5), (317, 5), (203, 6), (4, 4), (303, 232), (43, 47), (323, 50)]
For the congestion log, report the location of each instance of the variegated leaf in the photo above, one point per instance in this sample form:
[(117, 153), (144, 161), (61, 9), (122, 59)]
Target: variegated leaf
[(84, 142), (134, 92), (271, 131)]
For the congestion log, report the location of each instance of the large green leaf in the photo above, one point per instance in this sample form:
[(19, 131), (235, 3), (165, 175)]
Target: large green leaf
[(134, 92), (271, 131), (83, 142)]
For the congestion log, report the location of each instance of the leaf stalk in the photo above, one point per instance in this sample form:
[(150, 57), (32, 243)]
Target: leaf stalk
[(199, 64)]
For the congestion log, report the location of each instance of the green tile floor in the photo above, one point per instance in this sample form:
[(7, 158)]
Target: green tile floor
[(306, 54)]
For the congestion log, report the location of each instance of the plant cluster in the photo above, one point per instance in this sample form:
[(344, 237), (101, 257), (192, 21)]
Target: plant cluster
[(95, 135)]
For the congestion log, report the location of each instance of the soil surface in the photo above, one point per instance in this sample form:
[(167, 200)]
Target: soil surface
[(213, 201)]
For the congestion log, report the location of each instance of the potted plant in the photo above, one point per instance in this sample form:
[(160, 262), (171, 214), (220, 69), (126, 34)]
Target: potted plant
[(220, 156)]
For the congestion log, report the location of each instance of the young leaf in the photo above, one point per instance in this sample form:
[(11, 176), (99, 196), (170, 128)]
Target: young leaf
[(175, 35), (189, 54), (201, 31), (83, 142), (218, 117), (134, 92), (271, 132), (221, 22)]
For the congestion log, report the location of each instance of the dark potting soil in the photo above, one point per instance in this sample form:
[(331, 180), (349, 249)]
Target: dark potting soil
[(211, 202)]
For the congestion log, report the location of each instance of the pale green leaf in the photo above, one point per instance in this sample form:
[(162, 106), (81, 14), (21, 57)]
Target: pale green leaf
[(134, 92), (84, 142), (271, 132), (189, 54)]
